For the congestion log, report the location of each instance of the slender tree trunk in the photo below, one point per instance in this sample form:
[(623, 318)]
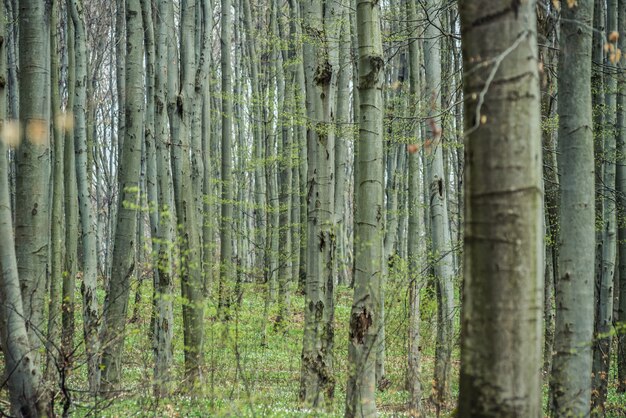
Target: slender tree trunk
[(365, 318), (116, 302), (226, 238), (571, 364), (186, 206), (162, 332), (621, 204), (54, 358), (416, 248), (71, 212), (260, 213), (284, 182), (439, 224), (604, 287), (300, 140), (90, 261), (501, 334), (344, 133)]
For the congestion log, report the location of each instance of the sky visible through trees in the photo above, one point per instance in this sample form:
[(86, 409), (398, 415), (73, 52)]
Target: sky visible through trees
[(308, 208)]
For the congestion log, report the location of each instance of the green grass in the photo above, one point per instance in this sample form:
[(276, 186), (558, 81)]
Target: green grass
[(245, 378)]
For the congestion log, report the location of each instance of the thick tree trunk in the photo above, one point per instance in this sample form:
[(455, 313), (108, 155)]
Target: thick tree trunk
[(32, 231), (317, 383), (571, 364), (501, 331), (365, 318), (24, 381)]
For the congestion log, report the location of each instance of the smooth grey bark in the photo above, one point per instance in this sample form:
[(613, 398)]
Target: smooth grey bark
[(365, 317), (621, 206), (604, 284), (416, 250), (186, 206), (227, 262), (297, 137), (260, 212), (87, 216), (571, 363), (300, 141), (24, 381), (149, 153), (116, 302), (71, 213), (54, 360), (501, 320), (203, 108), (317, 383), (162, 332), (271, 107), (439, 225), (32, 158), (284, 179), (343, 135)]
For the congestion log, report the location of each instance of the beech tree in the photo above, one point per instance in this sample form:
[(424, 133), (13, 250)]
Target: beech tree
[(503, 258), (571, 367)]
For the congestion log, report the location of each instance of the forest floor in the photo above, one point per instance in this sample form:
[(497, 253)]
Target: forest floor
[(249, 375)]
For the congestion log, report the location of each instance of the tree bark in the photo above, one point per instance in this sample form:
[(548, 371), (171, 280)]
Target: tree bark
[(317, 383), (439, 223), (87, 216), (116, 302), (604, 284), (501, 323), (571, 364), (365, 318), (24, 382), (32, 228)]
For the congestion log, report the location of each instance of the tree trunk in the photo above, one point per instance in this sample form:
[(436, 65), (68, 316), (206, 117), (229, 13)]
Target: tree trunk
[(621, 202), (71, 212), (439, 224), (116, 302), (604, 287), (284, 178), (317, 383), (415, 248), (88, 238), (571, 364), (24, 381), (365, 318), (32, 231), (226, 238), (54, 357), (163, 317), (501, 331)]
